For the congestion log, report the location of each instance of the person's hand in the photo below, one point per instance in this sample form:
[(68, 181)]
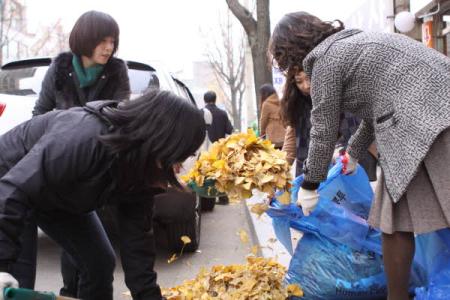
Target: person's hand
[(308, 200), (338, 152), (350, 164), (6, 280)]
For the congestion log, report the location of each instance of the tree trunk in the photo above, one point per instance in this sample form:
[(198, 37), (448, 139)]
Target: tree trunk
[(234, 108), (258, 34)]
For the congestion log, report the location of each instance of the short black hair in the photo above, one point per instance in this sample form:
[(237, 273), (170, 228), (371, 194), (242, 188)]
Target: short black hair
[(90, 29), (210, 97), (266, 90), (153, 133)]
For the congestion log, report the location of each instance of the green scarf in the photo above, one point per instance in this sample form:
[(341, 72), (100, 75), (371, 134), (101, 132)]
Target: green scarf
[(86, 76)]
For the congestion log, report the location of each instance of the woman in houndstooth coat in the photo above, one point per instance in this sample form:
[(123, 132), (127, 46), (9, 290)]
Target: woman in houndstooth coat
[(401, 91)]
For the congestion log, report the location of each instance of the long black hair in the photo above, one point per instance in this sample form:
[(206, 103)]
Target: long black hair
[(293, 103), (153, 132), (296, 35)]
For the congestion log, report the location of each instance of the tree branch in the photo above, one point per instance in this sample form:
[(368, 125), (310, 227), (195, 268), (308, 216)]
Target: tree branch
[(243, 15)]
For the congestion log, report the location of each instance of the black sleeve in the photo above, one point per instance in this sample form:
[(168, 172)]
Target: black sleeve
[(137, 248), (228, 126), (123, 90), (52, 160), (46, 101)]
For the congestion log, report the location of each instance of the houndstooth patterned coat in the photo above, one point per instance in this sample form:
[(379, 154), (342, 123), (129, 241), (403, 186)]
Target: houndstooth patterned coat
[(397, 86)]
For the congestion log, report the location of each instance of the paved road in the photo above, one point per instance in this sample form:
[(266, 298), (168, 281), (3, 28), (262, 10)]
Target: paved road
[(220, 244)]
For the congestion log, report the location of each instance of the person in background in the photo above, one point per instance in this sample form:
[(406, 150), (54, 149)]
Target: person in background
[(88, 72), (296, 111), (65, 164), (271, 125), (400, 89), (220, 126)]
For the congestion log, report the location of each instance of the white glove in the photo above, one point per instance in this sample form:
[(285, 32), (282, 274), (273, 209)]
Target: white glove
[(350, 164), (307, 199), (6, 280), (336, 154)]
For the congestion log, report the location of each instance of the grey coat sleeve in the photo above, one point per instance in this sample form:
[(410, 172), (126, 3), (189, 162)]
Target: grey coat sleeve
[(361, 140), (326, 87), (123, 89), (47, 100)]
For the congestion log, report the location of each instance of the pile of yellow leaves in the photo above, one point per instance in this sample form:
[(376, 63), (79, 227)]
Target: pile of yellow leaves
[(260, 278), (240, 163)]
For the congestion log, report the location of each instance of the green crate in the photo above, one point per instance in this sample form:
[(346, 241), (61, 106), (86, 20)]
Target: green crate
[(26, 294), (208, 190)]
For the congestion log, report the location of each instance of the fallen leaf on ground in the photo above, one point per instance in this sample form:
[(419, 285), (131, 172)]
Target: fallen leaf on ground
[(244, 236)]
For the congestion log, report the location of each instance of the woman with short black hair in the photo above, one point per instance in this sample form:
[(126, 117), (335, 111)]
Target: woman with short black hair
[(400, 89), (64, 165), (90, 71)]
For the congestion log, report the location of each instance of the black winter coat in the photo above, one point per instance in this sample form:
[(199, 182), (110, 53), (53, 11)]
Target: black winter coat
[(220, 125), (61, 89), (55, 162)]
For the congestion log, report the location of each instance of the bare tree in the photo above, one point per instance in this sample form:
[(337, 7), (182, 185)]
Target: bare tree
[(51, 40), (227, 58), (258, 34), (11, 17)]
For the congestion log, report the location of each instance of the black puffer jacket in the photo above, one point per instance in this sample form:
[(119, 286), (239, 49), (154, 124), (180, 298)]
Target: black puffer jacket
[(61, 90), (55, 162)]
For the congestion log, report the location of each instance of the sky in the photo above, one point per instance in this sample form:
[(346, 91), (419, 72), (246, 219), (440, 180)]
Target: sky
[(170, 31)]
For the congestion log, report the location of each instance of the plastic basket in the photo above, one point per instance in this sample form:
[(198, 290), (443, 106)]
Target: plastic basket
[(208, 190)]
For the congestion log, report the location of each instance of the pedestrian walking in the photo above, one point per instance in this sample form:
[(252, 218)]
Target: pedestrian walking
[(220, 125), (400, 89), (271, 125), (64, 165)]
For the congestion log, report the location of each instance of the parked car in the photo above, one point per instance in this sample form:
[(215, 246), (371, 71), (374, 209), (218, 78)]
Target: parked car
[(178, 213)]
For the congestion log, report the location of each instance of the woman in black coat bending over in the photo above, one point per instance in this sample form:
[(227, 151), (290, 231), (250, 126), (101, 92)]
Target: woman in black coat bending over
[(65, 164)]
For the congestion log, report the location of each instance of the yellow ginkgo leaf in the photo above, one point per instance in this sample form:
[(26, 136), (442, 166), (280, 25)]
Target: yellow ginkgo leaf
[(185, 239), (244, 236), (294, 290), (172, 258), (285, 198), (255, 250), (259, 208)]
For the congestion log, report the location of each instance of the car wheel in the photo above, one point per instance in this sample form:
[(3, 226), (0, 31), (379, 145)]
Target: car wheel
[(190, 228), (208, 203)]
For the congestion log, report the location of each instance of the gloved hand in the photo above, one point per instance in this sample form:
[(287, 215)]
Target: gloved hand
[(308, 200), (6, 280), (339, 151), (350, 164)]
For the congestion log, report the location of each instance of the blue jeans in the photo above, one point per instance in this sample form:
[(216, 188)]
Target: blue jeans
[(84, 240)]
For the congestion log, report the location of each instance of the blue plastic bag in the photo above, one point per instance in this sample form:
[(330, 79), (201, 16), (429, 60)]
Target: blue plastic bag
[(433, 255), (340, 196), (328, 270), (339, 256)]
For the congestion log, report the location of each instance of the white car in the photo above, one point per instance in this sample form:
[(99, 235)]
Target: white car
[(20, 84)]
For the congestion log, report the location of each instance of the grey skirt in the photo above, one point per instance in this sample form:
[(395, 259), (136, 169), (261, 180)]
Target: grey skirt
[(425, 206)]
